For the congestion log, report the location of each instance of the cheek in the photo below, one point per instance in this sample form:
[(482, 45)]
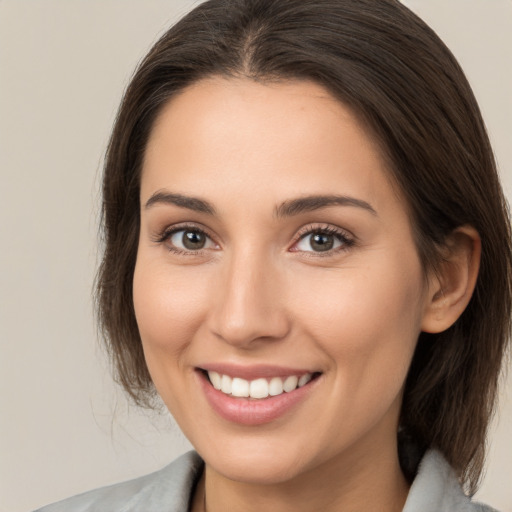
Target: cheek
[(169, 306), (364, 299), (367, 320)]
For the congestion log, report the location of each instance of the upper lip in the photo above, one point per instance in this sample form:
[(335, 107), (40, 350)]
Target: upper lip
[(254, 371)]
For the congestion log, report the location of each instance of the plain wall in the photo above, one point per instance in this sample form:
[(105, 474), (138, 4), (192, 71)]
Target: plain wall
[(64, 427)]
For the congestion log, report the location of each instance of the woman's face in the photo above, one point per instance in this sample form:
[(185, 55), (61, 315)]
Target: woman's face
[(274, 251)]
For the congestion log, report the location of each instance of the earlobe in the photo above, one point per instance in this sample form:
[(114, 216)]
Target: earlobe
[(451, 287)]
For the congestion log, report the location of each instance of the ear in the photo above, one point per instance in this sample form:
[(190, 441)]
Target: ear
[(451, 287)]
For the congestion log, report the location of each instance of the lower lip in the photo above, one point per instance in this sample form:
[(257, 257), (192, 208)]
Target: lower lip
[(253, 412)]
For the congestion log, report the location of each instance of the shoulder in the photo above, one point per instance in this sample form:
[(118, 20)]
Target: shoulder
[(436, 487), (167, 489)]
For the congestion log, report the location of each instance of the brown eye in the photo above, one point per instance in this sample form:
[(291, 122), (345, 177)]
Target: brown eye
[(193, 240), (321, 242), (190, 240)]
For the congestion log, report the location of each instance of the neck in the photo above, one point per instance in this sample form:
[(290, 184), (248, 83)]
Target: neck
[(349, 483)]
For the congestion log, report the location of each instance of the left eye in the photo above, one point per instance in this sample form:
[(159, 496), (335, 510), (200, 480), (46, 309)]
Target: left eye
[(319, 242), (191, 240)]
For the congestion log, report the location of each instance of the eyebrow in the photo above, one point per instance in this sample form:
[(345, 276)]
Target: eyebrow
[(311, 203), (191, 203), (288, 208)]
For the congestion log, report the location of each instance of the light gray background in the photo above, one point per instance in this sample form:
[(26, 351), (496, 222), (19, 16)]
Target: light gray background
[(64, 427)]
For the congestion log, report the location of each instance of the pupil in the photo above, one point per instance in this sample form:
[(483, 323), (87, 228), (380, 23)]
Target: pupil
[(322, 242), (193, 240)]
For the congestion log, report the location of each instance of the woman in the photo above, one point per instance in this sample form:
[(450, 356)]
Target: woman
[(308, 258)]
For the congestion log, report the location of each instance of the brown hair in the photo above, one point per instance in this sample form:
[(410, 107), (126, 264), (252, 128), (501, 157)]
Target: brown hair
[(402, 81)]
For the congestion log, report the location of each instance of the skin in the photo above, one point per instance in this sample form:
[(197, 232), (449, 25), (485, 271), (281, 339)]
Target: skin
[(259, 292)]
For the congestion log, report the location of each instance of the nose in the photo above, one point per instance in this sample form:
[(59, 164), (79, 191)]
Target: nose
[(249, 304)]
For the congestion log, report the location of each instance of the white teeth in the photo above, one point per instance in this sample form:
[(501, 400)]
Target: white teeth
[(304, 379), (215, 379), (225, 385), (258, 388), (275, 387), (290, 383), (240, 387)]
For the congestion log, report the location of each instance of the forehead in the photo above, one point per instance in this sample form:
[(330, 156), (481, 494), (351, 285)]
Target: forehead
[(263, 138)]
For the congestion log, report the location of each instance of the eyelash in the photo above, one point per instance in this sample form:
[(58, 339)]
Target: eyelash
[(347, 241), (166, 235)]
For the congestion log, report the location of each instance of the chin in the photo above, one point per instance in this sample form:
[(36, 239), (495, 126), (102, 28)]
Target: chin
[(260, 470), (257, 461)]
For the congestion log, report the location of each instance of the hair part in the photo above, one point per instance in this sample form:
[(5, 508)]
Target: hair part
[(392, 70)]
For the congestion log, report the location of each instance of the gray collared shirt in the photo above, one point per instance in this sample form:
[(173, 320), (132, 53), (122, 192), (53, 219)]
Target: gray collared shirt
[(435, 489)]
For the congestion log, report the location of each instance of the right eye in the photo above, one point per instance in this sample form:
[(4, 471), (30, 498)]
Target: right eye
[(189, 240)]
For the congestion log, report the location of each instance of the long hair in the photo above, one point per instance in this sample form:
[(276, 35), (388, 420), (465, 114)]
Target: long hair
[(401, 81)]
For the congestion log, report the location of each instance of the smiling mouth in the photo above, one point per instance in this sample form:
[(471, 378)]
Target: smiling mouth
[(258, 389)]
